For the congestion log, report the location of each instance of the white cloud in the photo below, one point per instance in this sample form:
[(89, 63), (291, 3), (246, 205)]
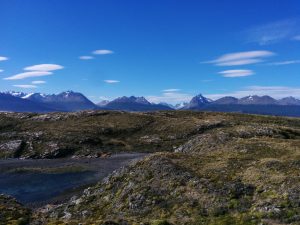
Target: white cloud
[(38, 82), (236, 73), (103, 52), (240, 62), (171, 90), (296, 38), (26, 86), (1, 71), (273, 91), (86, 57), (285, 62), (111, 81), (44, 67), (3, 58), (170, 97), (241, 58), (273, 32), (28, 75)]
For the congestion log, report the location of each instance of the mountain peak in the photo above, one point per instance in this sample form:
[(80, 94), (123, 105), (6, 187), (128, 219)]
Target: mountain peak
[(103, 103), (15, 93), (289, 101), (197, 102), (132, 99), (227, 100), (257, 100)]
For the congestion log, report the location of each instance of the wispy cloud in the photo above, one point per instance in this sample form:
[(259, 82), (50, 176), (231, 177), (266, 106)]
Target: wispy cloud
[(171, 90), (170, 97), (288, 62), (241, 58), (28, 75), (103, 52), (273, 32), (274, 91), (44, 67), (236, 73), (1, 71), (38, 82), (26, 86), (86, 57), (296, 38), (111, 81), (3, 58)]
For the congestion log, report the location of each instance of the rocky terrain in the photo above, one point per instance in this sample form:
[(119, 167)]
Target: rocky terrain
[(206, 168), (96, 133), (12, 212)]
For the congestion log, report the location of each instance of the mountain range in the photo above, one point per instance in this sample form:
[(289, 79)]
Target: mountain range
[(133, 103), (73, 101), (37, 102)]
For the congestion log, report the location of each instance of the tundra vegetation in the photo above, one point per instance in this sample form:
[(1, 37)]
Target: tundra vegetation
[(204, 167)]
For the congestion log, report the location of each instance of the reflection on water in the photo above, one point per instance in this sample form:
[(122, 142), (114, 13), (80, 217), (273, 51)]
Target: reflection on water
[(39, 188), (33, 187)]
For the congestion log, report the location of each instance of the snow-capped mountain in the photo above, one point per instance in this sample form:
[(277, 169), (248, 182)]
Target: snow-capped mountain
[(65, 101), (197, 102), (15, 94), (257, 100), (133, 103), (131, 99), (289, 101), (12, 102), (102, 103), (181, 105), (73, 101), (35, 97)]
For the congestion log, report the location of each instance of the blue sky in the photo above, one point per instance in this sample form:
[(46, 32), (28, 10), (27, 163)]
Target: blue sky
[(164, 50)]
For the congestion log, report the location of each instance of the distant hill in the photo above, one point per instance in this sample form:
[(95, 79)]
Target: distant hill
[(133, 103), (228, 100)]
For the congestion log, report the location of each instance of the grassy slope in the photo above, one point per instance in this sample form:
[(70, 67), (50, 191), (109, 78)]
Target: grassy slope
[(230, 169), (92, 133), (12, 212)]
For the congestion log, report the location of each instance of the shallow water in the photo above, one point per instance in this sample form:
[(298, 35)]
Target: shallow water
[(42, 187), (36, 187)]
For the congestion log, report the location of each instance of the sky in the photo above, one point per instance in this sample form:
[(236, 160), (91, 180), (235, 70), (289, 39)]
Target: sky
[(165, 50)]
